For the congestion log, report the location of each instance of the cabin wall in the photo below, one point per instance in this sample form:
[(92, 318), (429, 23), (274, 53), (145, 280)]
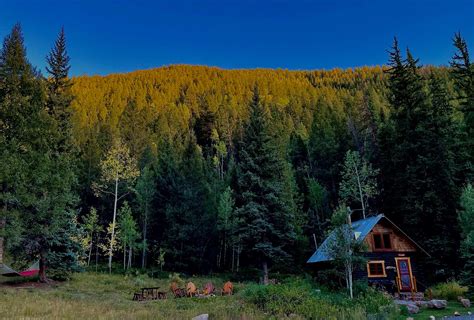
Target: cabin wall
[(400, 243), (389, 282)]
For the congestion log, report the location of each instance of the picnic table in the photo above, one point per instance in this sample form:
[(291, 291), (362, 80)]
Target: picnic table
[(152, 293)]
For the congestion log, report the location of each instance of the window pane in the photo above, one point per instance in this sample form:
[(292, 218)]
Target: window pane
[(376, 269), (386, 241), (377, 241)]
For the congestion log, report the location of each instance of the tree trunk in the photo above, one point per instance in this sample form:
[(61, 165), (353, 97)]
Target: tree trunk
[(238, 258), (112, 237), (233, 257), (265, 272), (225, 250), (90, 251), (129, 257), (124, 256), (42, 269), (97, 252), (144, 238), (349, 279), (361, 196)]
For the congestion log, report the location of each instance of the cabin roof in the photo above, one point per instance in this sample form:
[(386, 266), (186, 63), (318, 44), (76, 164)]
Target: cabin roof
[(361, 230)]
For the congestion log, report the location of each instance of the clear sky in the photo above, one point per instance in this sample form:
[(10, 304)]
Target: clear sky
[(106, 36)]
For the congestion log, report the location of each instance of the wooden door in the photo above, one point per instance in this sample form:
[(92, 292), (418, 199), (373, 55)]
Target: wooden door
[(405, 277)]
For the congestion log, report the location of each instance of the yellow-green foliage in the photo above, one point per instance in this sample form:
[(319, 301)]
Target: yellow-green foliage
[(163, 102), (449, 290)]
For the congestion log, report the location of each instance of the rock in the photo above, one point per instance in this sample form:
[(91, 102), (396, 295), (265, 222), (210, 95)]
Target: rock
[(412, 308), (410, 318), (457, 314), (204, 316), (469, 312), (437, 304), (432, 318), (466, 303)]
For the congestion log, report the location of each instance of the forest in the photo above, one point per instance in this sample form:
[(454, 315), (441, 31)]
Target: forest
[(203, 170)]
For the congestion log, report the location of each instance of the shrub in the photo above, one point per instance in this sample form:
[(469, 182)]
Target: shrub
[(175, 277), (297, 296), (448, 290)]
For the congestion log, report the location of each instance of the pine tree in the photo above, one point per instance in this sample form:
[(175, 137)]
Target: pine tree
[(267, 222), (417, 166), (59, 93), (38, 182), (463, 74)]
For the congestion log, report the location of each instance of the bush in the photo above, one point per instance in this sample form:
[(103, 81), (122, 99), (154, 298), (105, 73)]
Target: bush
[(299, 297), (448, 290)]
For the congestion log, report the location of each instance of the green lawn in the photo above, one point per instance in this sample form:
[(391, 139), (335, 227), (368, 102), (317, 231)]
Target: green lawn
[(102, 296)]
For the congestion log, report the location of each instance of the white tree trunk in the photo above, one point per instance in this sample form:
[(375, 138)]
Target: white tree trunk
[(90, 251), (361, 195), (112, 236)]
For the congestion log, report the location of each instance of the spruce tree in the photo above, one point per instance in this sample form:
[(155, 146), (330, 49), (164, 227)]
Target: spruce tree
[(59, 95), (462, 70), (417, 163), (38, 185), (267, 226)]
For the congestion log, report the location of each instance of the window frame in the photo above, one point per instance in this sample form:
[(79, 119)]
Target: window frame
[(382, 241), (382, 262)]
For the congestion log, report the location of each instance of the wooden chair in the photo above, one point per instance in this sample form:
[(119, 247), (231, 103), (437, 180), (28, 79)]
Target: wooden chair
[(228, 289), (177, 292), (191, 290), (208, 289)]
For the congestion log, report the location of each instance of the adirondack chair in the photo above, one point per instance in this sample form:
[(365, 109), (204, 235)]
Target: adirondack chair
[(177, 292), (228, 289), (191, 290), (208, 289)]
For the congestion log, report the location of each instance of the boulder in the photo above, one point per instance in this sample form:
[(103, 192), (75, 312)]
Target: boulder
[(457, 314), (204, 316), (410, 318), (432, 318), (466, 303), (412, 308), (437, 304)]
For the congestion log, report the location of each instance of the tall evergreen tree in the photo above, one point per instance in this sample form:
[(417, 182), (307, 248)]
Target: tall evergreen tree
[(267, 227), (38, 183), (59, 93), (417, 163), (463, 73)]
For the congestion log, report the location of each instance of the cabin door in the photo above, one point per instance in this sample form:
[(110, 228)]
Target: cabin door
[(405, 278)]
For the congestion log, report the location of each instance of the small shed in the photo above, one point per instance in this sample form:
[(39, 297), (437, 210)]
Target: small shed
[(392, 256)]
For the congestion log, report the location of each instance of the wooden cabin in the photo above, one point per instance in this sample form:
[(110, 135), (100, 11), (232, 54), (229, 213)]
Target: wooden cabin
[(392, 256)]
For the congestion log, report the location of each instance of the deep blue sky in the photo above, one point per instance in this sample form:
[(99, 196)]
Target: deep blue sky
[(120, 36)]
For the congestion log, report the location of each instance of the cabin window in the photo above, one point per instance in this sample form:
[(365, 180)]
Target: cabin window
[(382, 241), (376, 269)]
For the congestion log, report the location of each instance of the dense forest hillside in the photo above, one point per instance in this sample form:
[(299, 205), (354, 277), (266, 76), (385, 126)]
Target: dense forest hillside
[(176, 104), (200, 169)]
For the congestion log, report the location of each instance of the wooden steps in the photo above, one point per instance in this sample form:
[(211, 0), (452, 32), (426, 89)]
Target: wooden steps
[(409, 296)]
